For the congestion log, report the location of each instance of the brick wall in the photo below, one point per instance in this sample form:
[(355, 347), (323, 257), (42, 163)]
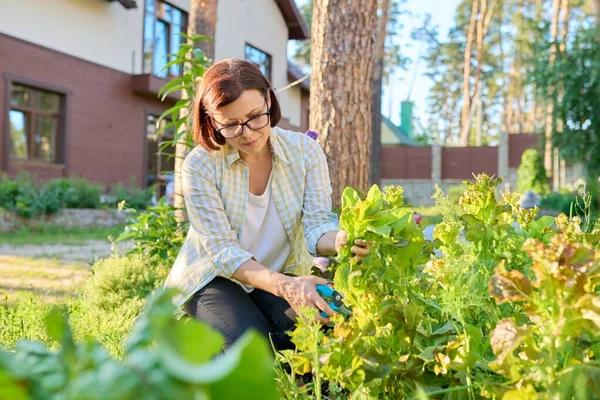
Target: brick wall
[(106, 121)]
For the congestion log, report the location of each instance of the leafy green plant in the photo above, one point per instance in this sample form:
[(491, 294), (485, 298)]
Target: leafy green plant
[(422, 312), (531, 174), (164, 359), (551, 346), (155, 233)]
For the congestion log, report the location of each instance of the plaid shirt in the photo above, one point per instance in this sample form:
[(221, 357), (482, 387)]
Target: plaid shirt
[(215, 188)]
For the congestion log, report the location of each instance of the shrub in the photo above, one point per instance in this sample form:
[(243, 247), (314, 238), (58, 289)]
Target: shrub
[(116, 279), (134, 196), (76, 192), (8, 193), (531, 174)]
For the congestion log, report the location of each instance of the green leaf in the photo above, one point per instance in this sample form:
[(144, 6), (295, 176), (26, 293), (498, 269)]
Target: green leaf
[(182, 338), (380, 230), (244, 371), (350, 198)]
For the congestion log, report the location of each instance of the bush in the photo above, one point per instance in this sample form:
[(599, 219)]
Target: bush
[(134, 196), (32, 202), (531, 174), (8, 193), (117, 279), (76, 192), (560, 201)]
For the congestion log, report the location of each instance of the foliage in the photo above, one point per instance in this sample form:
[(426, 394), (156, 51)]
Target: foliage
[(116, 279), (163, 360), (575, 73), (155, 232), (563, 201), (193, 63), (425, 323), (552, 342), (134, 196), (22, 320), (8, 193), (531, 174), (76, 192)]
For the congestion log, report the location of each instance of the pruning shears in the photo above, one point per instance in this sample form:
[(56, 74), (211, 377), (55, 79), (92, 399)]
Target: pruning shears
[(334, 299)]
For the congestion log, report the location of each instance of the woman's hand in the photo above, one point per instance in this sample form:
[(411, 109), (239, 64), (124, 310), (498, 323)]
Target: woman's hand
[(360, 250), (301, 291)]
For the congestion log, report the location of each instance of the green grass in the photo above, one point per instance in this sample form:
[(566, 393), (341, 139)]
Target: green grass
[(52, 234), (429, 213)]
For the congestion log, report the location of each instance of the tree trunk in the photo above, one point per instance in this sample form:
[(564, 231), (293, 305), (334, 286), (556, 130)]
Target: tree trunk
[(343, 39), (202, 21), (378, 65), (550, 106), (559, 165), (465, 128)]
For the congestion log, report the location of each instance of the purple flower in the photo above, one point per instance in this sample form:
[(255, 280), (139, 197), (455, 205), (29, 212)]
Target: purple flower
[(321, 262), (312, 134)]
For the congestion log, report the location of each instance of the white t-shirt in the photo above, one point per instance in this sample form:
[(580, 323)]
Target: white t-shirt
[(264, 235)]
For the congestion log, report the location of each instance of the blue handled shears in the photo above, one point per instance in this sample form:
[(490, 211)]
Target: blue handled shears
[(334, 299)]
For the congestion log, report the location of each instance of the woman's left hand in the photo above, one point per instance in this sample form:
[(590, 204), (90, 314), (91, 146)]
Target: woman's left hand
[(360, 248)]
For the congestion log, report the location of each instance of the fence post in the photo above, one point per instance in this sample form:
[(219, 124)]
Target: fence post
[(436, 164), (503, 158)]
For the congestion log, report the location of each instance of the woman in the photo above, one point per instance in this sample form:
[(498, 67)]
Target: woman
[(259, 204)]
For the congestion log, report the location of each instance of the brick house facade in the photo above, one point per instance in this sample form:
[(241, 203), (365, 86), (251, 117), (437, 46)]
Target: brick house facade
[(78, 82)]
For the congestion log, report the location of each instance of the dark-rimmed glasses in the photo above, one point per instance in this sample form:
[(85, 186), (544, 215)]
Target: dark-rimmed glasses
[(255, 123)]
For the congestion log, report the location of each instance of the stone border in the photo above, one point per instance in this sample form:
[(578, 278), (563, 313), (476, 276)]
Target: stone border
[(66, 218)]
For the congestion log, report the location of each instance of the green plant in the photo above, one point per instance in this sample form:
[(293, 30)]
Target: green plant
[(455, 192), (422, 311), (116, 279), (75, 192), (550, 345), (8, 193), (155, 233), (531, 174), (164, 359), (134, 196)]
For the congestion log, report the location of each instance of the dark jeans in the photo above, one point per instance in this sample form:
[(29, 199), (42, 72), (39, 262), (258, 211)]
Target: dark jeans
[(227, 307)]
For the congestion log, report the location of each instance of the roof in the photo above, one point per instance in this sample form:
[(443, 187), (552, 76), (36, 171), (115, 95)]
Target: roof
[(295, 73), (293, 19), (394, 135)]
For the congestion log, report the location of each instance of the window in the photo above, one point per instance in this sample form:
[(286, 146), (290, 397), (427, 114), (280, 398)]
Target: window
[(35, 124), (160, 159), (163, 25), (260, 58)]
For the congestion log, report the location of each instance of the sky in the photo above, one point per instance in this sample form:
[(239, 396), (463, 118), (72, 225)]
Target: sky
[(442, 14)]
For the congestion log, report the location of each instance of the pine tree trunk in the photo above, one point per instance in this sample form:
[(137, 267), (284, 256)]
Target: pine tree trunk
[(465, 122), (378, 65), (559, 165), (202, 21), (343, 39), (550, 106)]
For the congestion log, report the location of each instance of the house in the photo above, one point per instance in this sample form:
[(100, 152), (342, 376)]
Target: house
[(79, 79), (393, 135)]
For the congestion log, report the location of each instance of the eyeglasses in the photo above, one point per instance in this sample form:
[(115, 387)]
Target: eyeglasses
[(255, 123)]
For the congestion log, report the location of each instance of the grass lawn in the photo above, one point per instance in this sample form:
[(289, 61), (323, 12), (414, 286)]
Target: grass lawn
[(53, 234)]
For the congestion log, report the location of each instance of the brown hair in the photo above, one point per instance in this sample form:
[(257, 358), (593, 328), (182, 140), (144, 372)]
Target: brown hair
[(222, 84)]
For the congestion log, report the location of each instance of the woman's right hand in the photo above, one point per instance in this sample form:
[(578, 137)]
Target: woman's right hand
[(301, 291)]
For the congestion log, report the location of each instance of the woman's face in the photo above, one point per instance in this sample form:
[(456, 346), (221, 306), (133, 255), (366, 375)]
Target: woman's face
[(248, 107)]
